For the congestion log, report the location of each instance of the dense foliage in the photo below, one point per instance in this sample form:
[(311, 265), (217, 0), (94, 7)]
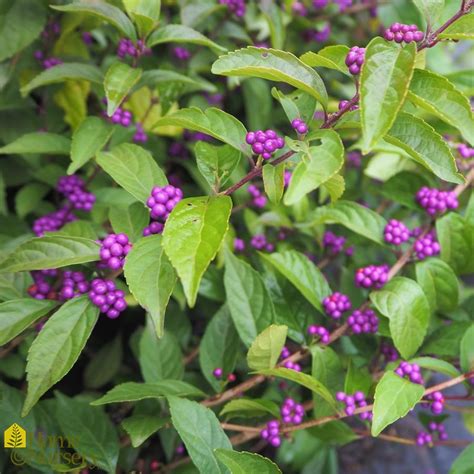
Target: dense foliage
[(230, 228)]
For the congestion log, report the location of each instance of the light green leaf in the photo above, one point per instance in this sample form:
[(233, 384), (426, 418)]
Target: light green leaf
[(41, 143), (88, 139), (50, 252), (248, 299), (266, 348), (335, 187), (314, 169), (193, 235), (103, 10), (302, 273), (467, 350), (438, 96), (273, 181), (330, 57), (463, 463), (246, 463), (58, 346), (274, 16), (436, 365), (150, 278), (440, 284), (133, 168), (274, 65), (384, 81), (213, 121), (431, 10), (182, 34), (145, 14), (463, 28), (424, 145), (18, 314), (201, 433), (249, 408), (130, 220), (403, 301), (394, 398), (133, 391), (141, 427)]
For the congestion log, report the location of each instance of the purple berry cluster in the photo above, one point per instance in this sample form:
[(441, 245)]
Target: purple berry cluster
[(87, 38), (237, 7), (426, 246), (162, 201), (435, 201), (73, 284), (140, 135), (318, 36), (410, 371), (190, 136), (121, 117), (396, 232), (183, 54), (343, 103), (351, 402), (259, 200), (354, 59), (42, 289), (260, 242), (363, 321), (333, 243), (127, 47), (300, 126), (319, 331), (292, 412), (48, 63), (299, 8), (53, 221), (114, 248), (105, 295), (437, 402), (320, 3), (373, 276), (424, 437), (74, 190), (272, 433), (465, 151), (153, 229), (285, 353), (354, 159), (389, 352), (239, 245), (336, 304), (264, 143), (400, 33), (287, 178)]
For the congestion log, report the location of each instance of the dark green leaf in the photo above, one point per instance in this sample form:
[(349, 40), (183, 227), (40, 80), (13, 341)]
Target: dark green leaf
[(467, 350), (141, 427)]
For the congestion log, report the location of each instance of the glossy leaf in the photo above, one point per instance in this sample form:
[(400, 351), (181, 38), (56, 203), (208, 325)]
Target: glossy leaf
[(266, 348), (330, 57), (38, 143), (141, 427), (461, 29), (244, 463)]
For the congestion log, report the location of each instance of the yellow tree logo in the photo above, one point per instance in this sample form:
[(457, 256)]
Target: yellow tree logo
[(14, 437)]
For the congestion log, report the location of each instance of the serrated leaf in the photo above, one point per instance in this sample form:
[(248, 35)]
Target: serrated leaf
[(330, 57), (18, 314), (405, 304), (213, 122), (440, 97), (463, 28), (394, 398), (246, 407), (302, 273), (50, 252), (440, 284), (436, 365), (318, 166), (41, 143), (151, 278), (467, 350), (58, 346), (130, 220), (384, 81), (424, 145), (431, 10), (141, 427), (133, 168), (358, 218), (266, 348), (248, 299), (201, 433), (274, 65), (193, 234), (245, 463), (133, 391), (273, 181), (88, 139)]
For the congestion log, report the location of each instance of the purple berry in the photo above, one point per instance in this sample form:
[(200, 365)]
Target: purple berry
[(426, 246), (333, 243), (403, 33), (217, 372), (105, 295), (336, 304), (355, 59), (396, 232), (321, 332), (237, 7), (436, 202), (372, 276)]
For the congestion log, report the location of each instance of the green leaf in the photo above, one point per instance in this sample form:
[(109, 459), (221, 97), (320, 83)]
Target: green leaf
[(249, 408), (94, 435), (403, 301), (445, 341), (301, 379), (384, 81), (41, 143), (141, 427), (216, 163), (62, 73), (28, 198), (463, 28), (21, 22), (335, 187), (145, 14), (274, 16), (155, 77), (50, 252), (193, 234), (274, 65), (440, 97), (436, 365), (130, 220), (302, 273), (431, 10), (245, 463), (58, 346), (402, 187), (424, 145), (88, 139), (394, 398), (334, 433), (330, 57), (133, 392), (248, 299), (463, 463), (219, 347), (266, 348), (273, 181), (358, 218), (439, 283), (314, 169), (14, 285), (17, 315), (258, 103), (182, 34), (118, 81), (133, 168), (467, 350), (150, 278), (104, 11), (213, 122), (201, 433)]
